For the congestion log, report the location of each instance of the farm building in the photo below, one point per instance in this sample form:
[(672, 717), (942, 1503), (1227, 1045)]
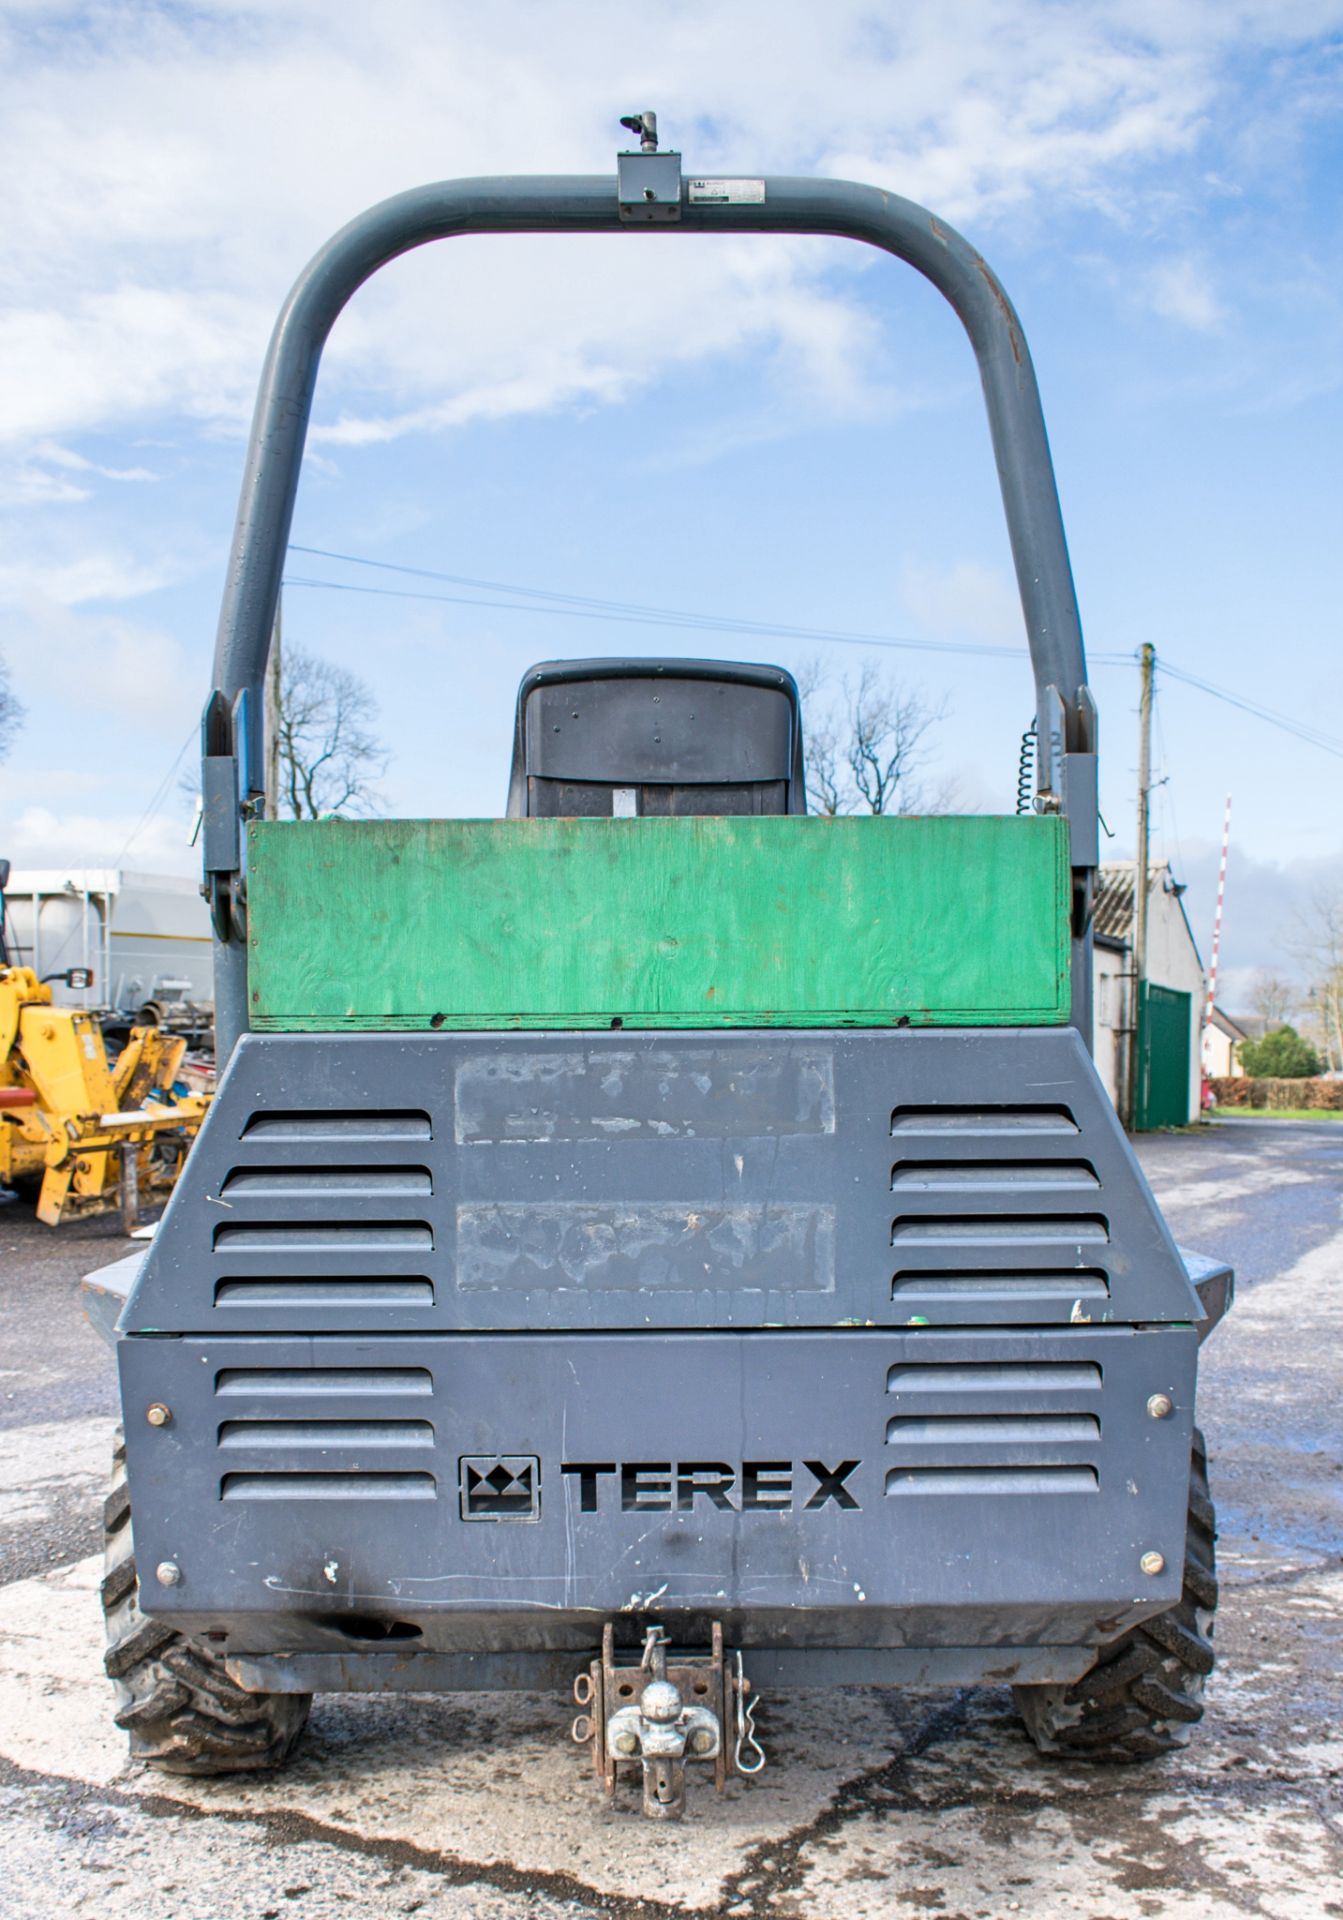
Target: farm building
[(1170, 1076)]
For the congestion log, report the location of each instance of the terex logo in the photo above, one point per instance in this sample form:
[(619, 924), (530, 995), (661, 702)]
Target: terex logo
[(659, 1486)]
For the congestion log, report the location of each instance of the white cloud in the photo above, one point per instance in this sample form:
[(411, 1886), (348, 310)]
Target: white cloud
[(25, 484), (111, 355), (70, 579), (967, 601), (131, 675), (58, 456), (592, 333), (46, 474), (38, 836), (178, 164), (132, 812), (63, 785), (1181, 290)]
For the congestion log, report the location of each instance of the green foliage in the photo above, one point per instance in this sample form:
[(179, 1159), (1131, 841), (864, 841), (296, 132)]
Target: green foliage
[(1280, 1055)]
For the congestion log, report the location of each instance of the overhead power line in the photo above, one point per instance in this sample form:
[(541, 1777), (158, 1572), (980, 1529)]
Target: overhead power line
[(1327, 742), (160, 794), (639, 612), (587, 606), (698, 623)]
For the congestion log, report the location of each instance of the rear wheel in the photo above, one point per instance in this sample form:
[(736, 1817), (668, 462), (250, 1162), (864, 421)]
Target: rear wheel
[(174, 1698), (1145, 1693)]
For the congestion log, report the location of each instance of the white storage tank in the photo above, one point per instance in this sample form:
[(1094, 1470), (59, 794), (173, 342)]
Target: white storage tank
[(145, 935)]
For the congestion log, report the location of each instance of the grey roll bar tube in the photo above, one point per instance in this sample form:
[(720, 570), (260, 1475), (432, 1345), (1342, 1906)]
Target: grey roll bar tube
[(232, 780)]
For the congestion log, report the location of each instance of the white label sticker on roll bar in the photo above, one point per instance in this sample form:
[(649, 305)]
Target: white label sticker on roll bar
[(724, 193)]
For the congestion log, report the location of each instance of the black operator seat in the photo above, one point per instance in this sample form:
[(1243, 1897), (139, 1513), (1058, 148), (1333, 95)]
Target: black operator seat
[(655, 738)]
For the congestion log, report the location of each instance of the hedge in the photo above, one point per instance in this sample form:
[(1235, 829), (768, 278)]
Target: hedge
[(1244, 1092)]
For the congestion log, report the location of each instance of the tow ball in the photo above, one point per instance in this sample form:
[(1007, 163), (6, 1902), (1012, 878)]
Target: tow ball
[(660, 1717)]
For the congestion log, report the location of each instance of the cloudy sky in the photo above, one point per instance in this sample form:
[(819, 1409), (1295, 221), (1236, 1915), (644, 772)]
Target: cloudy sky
[(777, 430)]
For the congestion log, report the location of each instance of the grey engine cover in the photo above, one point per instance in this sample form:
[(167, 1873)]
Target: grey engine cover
[(911, 1297)]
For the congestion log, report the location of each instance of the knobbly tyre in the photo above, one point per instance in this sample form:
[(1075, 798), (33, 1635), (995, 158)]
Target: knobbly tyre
[(683, 1246)]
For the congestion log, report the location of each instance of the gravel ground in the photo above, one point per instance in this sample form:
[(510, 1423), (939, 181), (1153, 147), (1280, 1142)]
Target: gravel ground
[(927, 1804)]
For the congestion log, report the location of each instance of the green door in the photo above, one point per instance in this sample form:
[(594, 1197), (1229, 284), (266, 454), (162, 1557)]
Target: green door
[(1163, 1074)]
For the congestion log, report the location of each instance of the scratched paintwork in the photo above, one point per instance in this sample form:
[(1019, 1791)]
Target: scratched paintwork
[(970, 1565), (703, 922), (289, 1218), (759, 1091), (550, 1246)]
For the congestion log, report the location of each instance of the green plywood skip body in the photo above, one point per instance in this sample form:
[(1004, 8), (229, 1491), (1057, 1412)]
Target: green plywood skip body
[(795, 921)]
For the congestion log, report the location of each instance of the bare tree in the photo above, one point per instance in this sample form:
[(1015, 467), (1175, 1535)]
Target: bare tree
[(1273, 998), (329, 759), (11, 712), (821, 743), (866, 748), (1317, 942)]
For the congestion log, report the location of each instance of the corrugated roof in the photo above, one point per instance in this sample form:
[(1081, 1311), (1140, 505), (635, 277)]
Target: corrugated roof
[(1113, 905), (1113, 909)]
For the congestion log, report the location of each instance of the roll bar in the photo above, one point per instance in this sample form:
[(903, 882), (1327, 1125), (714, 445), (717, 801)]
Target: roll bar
[(647, 194)]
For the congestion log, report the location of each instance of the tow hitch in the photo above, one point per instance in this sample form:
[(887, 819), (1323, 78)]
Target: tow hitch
[(660, 1716)]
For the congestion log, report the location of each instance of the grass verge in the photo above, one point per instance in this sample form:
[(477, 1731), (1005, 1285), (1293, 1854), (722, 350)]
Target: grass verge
[(1278, 1113)]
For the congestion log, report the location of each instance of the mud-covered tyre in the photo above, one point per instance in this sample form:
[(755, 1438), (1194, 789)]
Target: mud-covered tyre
[(174, 1699), (1145, 1693)]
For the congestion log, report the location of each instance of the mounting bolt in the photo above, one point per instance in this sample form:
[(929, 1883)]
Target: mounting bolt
[(1152, 1564), (158, 1415), (1161, 1406), (626, 1743), (702, 1741), (167, 1573)]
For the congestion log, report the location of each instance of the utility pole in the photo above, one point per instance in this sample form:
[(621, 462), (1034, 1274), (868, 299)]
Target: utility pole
[(271, 720), (1147, 662)]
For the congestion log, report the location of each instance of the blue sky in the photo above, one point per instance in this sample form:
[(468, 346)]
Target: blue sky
[(786, 431)]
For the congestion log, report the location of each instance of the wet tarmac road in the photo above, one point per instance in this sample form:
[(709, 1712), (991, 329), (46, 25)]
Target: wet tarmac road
[(926, 1804)]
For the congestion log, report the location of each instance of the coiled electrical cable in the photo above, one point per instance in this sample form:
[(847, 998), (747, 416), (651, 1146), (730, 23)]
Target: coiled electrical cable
[(1026, 770)]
